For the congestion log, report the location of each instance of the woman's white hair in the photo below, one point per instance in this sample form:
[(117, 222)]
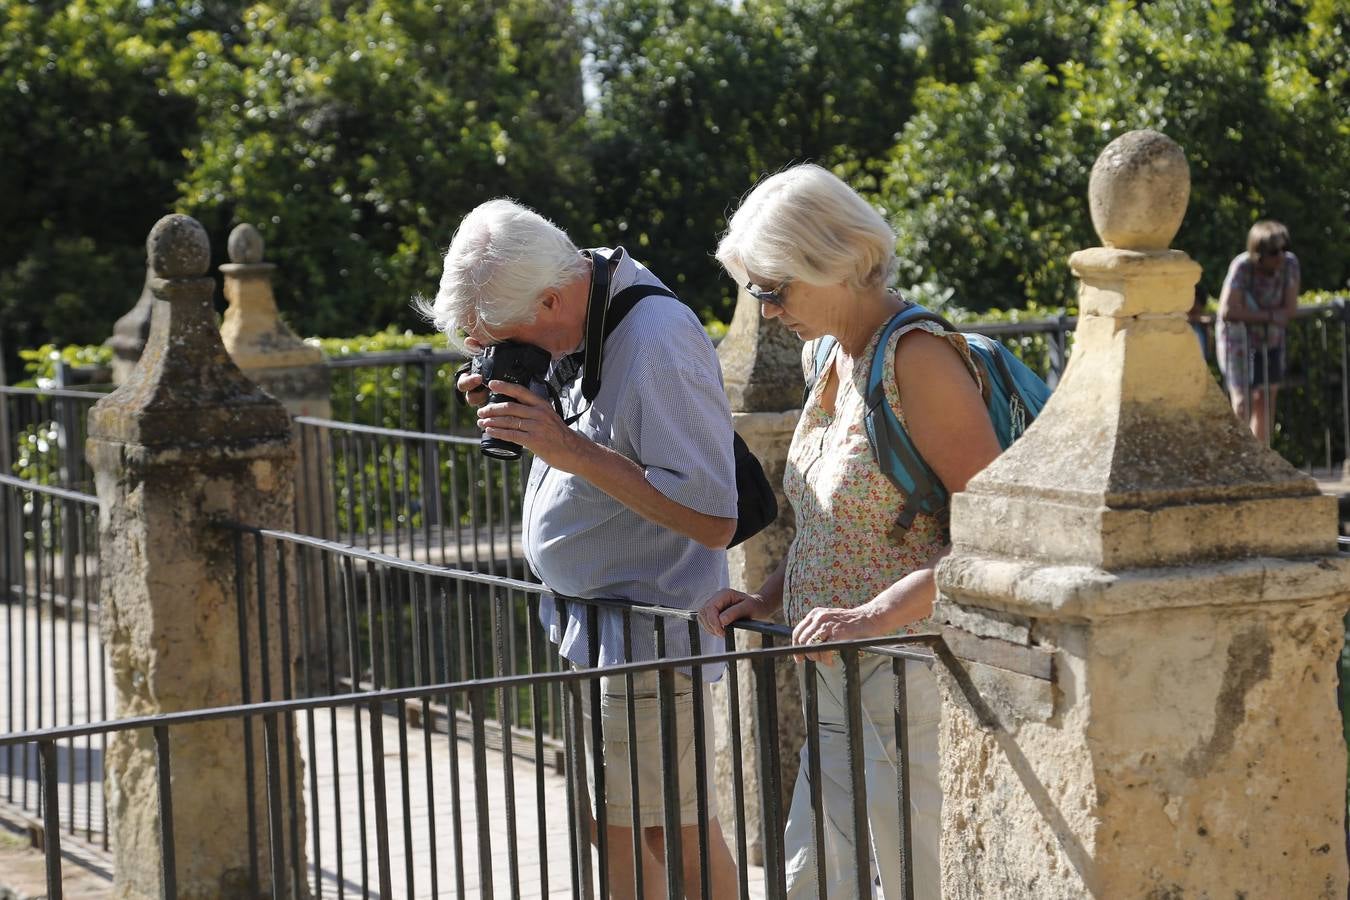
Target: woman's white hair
[(502, 258), (805, 224)]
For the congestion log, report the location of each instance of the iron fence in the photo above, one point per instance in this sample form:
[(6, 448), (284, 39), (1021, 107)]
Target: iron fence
[(421, 496), (395, 842), (407, 390), (42, 434), (55, 669), (461, 657)]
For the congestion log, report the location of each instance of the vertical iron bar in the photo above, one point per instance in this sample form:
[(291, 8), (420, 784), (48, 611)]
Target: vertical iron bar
[(700, 757), (456, 821), (245, 694), (7, 534), (862, 843), (670, 772), (51, 818), (168, 866), (354, 673), (536, 701), (597, 745), (508, 755), (275, 825), (288, 722), (770, 781), (633, 785), (68, 551), (477, 712), (578, 815), (401, 707), (818, 818), (902, 775), (381, 802), (737, 776)]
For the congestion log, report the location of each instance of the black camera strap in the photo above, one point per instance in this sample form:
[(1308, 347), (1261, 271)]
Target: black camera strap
[(603, 315)]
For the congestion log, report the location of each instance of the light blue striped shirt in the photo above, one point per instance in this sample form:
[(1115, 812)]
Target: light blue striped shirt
[(661, 404)]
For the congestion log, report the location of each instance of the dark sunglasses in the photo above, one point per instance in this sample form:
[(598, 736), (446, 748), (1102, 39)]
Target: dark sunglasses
[(765, 295)]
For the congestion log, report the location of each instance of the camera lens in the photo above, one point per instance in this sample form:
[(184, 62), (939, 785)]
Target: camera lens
[(497, 447), (521, 364)]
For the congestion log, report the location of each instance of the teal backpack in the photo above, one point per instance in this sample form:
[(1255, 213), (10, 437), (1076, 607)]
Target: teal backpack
[(1015, 394)]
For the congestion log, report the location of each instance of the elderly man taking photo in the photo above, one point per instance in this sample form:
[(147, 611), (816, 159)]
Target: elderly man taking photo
[(631, 494)]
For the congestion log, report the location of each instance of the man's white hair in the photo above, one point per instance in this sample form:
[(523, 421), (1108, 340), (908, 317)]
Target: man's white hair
[(805, 224), (502, 258)]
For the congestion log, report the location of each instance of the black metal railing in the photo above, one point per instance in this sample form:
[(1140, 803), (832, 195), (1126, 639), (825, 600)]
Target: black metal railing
[(421, 496), (54, 665), (42, 435), (388, 623), (405, 390), (397, 799)]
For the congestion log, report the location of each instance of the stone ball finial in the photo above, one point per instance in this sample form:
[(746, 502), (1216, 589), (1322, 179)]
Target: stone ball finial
[(1138, 191), (245, 244), (178, 247)]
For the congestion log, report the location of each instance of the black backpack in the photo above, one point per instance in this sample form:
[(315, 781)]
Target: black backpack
[(756, 505)]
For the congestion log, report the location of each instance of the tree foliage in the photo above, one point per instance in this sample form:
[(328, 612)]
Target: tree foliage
[(90, 145), (700, 98), (356, 133), (988, 182), (357, 137)]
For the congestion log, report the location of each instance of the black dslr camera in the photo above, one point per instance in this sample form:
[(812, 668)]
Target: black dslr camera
[(522, 364)]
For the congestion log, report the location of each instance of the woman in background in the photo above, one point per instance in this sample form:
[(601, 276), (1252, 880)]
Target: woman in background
[(1259, 297)]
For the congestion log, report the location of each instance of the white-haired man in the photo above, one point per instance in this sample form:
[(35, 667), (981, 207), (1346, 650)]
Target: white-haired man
[(635, 500)]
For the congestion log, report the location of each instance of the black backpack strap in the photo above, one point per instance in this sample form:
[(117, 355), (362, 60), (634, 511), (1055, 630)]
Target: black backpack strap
[(600, 325), (623, 302)]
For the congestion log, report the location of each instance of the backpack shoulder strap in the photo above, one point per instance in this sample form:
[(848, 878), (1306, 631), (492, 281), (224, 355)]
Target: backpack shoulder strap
[(824, 347), (622, 303), (894, 452)]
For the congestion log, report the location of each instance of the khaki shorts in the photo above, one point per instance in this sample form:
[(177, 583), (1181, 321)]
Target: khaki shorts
[(647, 717)]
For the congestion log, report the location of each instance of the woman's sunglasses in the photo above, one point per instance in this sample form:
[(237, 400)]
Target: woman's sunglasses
[(765, 295)]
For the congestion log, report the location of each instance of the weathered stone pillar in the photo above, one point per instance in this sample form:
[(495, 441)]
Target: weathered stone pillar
[(185, 441), (129, 334), (761, 365), (1178, 583)]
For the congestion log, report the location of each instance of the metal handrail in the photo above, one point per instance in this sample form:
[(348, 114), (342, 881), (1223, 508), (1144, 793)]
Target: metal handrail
[(35, 487), (59, 393), (427, 692), (377, 431)]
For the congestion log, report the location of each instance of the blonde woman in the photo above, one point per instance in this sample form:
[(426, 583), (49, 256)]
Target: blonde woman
[(819, 258)]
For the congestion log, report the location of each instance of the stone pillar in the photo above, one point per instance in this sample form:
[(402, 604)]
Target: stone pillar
[(1146, 604), (184, 442), (129, 334), (761, 365), (270, 354), (262, 345)]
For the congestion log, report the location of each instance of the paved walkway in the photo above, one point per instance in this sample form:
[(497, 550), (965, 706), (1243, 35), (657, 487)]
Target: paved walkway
[(434, 801)]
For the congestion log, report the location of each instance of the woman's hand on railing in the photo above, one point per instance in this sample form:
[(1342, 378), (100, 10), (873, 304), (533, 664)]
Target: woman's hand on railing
[(730, 606), (824, 624)]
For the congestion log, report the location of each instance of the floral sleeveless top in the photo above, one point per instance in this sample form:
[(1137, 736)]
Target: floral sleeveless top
[(843, 554)]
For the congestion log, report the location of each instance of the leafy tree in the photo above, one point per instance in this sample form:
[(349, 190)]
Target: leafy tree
[(988, 182), (90, 144), (356, 136), (699, 98)]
